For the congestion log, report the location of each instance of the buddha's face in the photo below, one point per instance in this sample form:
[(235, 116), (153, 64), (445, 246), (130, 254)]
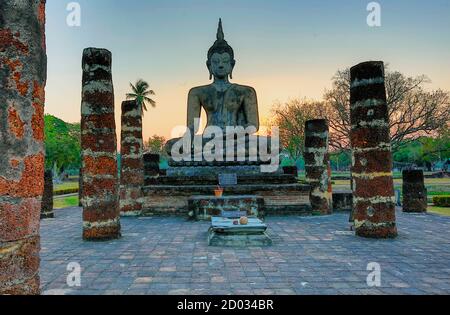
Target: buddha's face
[(221, 65)]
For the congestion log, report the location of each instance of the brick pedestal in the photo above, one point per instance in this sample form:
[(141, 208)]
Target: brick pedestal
[(414, 192), (204, 207)]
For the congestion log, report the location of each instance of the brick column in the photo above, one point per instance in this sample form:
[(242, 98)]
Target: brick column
[(414, 191), (23, 67), (47, 198), (373, 186), (132, 163), (317, 164), (100, 200), (151, 167)]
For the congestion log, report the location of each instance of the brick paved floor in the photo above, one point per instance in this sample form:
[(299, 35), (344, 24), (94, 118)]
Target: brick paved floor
[(310, 255)]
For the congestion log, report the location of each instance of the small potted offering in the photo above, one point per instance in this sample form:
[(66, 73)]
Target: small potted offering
[(218, 192)]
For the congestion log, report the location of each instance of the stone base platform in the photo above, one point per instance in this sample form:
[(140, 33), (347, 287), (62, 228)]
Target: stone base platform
[(207, 170), (205, 207), (224, 233), (279, 198)]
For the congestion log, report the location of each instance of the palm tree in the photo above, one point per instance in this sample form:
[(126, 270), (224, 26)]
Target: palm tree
[(141, 94)]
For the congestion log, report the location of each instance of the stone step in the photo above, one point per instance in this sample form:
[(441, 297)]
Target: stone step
[(213, 180), (244, 189)]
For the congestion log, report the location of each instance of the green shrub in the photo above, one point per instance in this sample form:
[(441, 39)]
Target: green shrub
[(441, 201)]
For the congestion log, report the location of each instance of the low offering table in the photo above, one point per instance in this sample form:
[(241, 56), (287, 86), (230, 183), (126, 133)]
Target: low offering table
[(225, 231)]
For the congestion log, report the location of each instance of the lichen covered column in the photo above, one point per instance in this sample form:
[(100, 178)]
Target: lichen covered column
[(151, 167), (317, 165), (132, 163), (414, 191), (373, 187), (101, 218), (47, 198), (23, 66)]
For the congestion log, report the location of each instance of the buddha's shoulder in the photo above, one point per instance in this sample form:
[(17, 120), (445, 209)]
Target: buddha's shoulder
[(200, 89), (244, 89), (204, 89)]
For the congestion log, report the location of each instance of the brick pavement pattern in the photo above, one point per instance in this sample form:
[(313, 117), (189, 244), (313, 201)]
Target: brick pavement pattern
[(310, 255)]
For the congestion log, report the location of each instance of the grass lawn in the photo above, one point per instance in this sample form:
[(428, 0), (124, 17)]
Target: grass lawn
[(66, 202), (435, 186), (439, 210), (65, 185)]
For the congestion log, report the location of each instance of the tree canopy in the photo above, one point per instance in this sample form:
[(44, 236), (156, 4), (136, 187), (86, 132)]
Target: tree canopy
[(62, 143), (413, 111), (419, 119), (140, 93)]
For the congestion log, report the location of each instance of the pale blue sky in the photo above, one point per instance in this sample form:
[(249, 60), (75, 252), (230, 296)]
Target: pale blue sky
[(284, 48)]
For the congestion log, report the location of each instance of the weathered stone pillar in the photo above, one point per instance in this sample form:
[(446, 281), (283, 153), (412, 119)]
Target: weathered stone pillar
[(101, 217), (317, 164), (23, 67), (414, 191), (373, 186), (47, 198), (330, 182), (151, 166), (132, 163)]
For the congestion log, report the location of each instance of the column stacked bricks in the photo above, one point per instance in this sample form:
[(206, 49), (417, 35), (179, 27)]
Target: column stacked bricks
[(101, 216), (151, 167), (414, 191), (23, 66), (47, 198), (317, 165), (132, 163), (373, 186)]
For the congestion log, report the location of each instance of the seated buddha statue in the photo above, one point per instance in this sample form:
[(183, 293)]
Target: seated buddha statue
[(227, 105)]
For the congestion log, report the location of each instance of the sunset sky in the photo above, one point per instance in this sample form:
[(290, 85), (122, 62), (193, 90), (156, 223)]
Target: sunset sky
[(284, 48)]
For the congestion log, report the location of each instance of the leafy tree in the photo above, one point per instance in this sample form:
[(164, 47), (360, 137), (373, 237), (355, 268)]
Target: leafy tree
[(140, 93), (155, 144), (413, 111), (290, 118), (62, 144)]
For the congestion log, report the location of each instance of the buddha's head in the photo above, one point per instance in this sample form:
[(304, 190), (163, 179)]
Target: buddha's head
[(220, 61)]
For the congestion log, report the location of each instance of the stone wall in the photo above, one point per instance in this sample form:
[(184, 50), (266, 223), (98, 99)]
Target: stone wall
[(23, 67)]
